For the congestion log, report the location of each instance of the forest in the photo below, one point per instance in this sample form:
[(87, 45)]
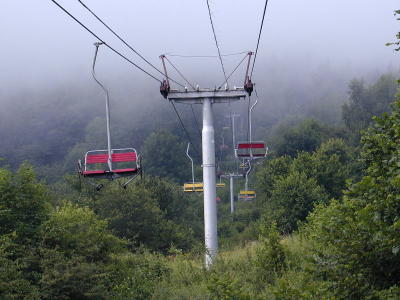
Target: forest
[(325, 223)]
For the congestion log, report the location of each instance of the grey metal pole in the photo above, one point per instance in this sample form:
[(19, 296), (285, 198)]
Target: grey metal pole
[(231, 192), (109, 160), (233, 134), (250, 126), (210, 193), (247, 177), (187, 153), (207, 97)]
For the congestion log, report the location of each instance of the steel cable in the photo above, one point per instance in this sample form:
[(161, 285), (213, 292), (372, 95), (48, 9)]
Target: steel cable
[(206, 56), (216, 41), (234, 70), (123, 41), (180, 74), (184, 129), (259, 36)]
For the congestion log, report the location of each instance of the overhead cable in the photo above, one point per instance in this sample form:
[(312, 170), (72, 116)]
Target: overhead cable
[(123, 41), (259, 36), (179, 72), (216, 41), (248, 119), (105, 44), (234, 70), (195, 120), (206, 56), (184, 128)]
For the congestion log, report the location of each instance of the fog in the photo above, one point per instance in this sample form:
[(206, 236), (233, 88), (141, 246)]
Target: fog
[(52, 111), (41, 47)]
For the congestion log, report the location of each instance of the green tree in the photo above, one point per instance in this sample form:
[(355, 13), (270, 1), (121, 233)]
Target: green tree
[(74, 250), (356, 242), (13, 282), (270, 257), (24, 204), (306, 136), (366, 102), (331, 165), (165, 156), (222, 287), (269, 173), (135, 215), (293, 197)]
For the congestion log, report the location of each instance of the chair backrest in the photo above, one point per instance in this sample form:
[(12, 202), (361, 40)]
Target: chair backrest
[(96, 158), (247, 195), (118, 156), (193, 187), (124, 157), (251, 149)]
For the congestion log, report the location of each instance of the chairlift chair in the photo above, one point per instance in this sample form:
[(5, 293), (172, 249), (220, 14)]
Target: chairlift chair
[(111, 163), (251, 150), (125, 163), (247, 195), (193, 187), (243, 165)]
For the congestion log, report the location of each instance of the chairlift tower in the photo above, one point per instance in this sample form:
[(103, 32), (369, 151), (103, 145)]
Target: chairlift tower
[(207, 98), (231, 177)]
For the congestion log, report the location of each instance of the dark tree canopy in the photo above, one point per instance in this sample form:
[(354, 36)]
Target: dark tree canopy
[(368, 101)]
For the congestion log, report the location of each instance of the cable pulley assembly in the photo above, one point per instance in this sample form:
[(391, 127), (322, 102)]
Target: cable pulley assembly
[(248, 85)]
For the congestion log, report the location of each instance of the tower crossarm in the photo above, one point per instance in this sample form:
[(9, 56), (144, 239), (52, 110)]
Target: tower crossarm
[(217, 96)]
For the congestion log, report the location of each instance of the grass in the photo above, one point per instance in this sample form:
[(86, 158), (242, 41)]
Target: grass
[(233, 272)]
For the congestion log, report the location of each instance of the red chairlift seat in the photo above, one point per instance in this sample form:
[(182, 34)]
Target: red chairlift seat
[(125, 163), (251, 150)]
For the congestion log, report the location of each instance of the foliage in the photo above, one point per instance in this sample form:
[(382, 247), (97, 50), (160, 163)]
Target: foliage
[(75, 248), (13, 283), (292, 199), (222, 287), (269, 261), (301, 285), (175, 204), (135, 215), (24, 203), (271, 171), (165, 156), (289, 188), (397, 43), (366, 102), (356, 242), (306, 136), (78, 251), (331, 165), (135, 276), (75, 230)]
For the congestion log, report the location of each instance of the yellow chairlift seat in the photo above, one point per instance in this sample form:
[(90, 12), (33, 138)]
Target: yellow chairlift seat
[(193, 187), (221, 185), (247, 195), (243, 166)]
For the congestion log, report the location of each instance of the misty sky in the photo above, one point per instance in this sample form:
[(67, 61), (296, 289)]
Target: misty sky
[(42, 47)]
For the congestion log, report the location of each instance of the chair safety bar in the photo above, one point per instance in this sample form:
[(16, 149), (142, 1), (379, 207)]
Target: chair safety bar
[(251, 150)]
